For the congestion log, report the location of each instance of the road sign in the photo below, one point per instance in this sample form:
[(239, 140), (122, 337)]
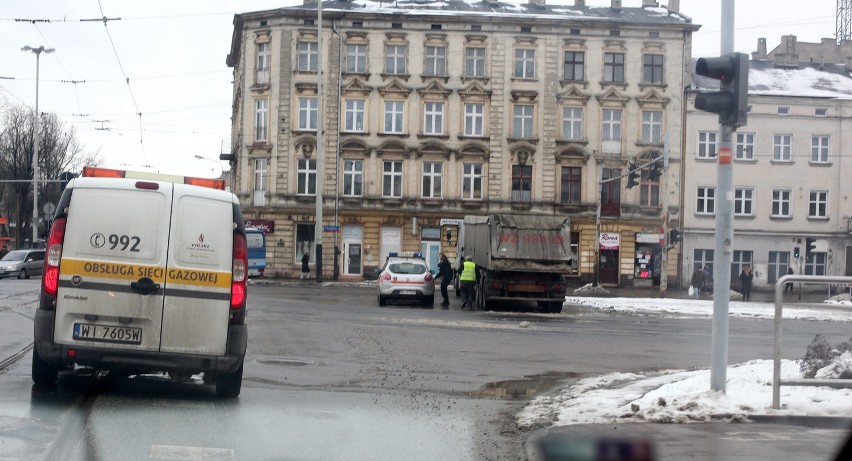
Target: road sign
[(331, 228)]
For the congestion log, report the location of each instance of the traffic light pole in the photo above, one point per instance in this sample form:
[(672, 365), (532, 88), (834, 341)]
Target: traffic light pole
[(723, 255)]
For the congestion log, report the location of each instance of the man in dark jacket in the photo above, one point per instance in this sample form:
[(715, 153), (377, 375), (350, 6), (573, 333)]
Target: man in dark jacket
[(445, 272), (746, 277), (697, 282)]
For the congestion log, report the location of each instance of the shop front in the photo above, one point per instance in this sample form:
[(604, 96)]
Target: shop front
[(646, 269), (608, 264)]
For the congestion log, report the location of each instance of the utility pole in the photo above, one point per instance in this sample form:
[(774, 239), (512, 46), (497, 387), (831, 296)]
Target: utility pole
[(318, 227), (664, 263)]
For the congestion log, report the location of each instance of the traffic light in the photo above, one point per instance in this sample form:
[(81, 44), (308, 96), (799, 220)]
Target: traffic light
[(632, 175), (731, 101), (796, 252), (674, 236), (810, 246), (654, 172)]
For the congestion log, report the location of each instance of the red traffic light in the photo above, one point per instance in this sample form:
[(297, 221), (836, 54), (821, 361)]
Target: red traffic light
[(731, 101)]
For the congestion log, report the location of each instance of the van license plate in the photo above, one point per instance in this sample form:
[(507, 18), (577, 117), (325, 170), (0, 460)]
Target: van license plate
[(408, 292), (89, 332)]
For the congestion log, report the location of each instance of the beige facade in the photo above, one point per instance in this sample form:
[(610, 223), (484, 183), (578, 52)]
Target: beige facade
[(790, 176), (430, 117)]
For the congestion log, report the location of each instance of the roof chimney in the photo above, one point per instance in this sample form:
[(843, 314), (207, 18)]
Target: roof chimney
[(616, 5), (761, 49), (674, 6), (580, 3), (652, 3)]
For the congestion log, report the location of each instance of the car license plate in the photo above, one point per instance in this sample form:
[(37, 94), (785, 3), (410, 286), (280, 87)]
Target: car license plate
[(408, 292), (89, 332)]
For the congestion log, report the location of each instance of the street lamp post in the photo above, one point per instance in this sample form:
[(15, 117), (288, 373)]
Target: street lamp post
[(38, 51)]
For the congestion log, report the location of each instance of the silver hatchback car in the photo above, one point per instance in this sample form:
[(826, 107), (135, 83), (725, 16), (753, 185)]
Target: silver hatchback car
[(22, 263), (406, 277)]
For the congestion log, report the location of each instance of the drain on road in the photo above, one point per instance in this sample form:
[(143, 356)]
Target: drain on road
[(284, 362), (524, 388)]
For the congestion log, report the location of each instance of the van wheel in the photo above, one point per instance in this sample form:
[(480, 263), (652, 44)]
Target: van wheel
[(229, 385), (22, 274), (43, 372)]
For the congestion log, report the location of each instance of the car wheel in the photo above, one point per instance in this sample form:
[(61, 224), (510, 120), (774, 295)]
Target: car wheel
[(229, 385), (429, 301), (22, 274), (382, 300), (44, 373)]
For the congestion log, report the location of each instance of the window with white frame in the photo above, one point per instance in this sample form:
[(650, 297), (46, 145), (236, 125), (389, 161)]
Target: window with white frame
[(820, 112), (474, 62), (436, 60), (707, 144), (308, 56), (745, 146), (652, 68), (783, 110), (393, 116), (522, 121), (779, 262), (573, 66), (392, 178), (395, 59), (781, 203), (743, 201), (782, 147), (306, 173), (611, 125), (304, 242), (432, 179), (354, 115), (652, 126), (613, 67), (815, 264), (353, 178), (261, 168), (474, 119), (703, 259), (740, 260), (524, 63), (261, 119), (263, 59), (818, 204), (572, 123), (649, 189), (433, 118), (820, 149), (308, 114), (472, 181), (706, 200), (521, 183), (356, 58)]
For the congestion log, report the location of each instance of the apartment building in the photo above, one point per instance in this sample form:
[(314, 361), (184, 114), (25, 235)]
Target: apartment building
[(790, 171), (434, 111)]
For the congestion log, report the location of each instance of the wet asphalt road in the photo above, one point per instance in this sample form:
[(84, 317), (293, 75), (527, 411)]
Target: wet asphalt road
[(330, 375)]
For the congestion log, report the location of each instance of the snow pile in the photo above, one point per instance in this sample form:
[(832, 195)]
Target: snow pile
[(842, 298), (591, 289), (679, 396), (840, 367)]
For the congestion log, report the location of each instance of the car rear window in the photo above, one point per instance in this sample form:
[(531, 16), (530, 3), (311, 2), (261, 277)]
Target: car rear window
[(407, 268)]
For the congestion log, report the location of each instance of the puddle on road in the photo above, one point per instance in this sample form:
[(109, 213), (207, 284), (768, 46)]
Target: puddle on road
[(524, 388), (284, 362)]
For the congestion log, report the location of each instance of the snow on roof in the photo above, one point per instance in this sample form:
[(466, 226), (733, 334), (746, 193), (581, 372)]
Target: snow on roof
[(816, 81), (641, 15)]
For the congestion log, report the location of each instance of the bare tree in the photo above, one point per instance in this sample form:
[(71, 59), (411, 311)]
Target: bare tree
[(59, 151)]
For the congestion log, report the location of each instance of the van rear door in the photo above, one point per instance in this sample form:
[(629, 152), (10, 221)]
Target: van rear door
[(198, 275), (112, 271)]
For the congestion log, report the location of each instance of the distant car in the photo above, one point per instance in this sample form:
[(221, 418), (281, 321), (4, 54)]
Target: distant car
[(406, 277), (22, 263)]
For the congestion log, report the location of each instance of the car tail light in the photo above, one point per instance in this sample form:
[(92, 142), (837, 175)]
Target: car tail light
[(238, 275), (428, 277), (386, 276), (50, 279)]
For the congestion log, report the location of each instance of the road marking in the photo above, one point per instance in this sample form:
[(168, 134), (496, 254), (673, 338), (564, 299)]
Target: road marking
[(177, 452)]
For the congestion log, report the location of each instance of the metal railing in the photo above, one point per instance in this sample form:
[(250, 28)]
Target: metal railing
[(779, 305)]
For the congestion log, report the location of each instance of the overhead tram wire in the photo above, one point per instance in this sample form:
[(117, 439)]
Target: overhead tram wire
[(123, 73)]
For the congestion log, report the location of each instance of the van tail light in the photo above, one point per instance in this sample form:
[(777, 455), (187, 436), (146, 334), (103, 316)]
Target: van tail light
[(428, 277), (50, 279), (239, 273)]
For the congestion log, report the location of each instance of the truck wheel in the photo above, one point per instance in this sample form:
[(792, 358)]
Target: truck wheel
[(229, 385), (43, 372)]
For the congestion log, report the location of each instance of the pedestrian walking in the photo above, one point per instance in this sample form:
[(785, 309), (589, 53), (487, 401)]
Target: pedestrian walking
[(445, 272), (306, 270), (467, 282), (708, 279), (746, 277), (697, 282), (789, 285)]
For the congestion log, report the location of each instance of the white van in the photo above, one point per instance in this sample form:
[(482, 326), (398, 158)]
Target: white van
[(144, 273)]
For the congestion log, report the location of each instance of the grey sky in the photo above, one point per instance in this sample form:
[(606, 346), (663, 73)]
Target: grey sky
[(173, 53)]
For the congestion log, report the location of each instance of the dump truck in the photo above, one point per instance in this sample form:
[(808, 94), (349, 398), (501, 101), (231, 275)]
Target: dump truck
[(519, 258)]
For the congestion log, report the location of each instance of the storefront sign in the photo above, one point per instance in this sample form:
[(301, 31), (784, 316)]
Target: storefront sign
[(451, 222), (264, 225), (610, 241), (649, 238)]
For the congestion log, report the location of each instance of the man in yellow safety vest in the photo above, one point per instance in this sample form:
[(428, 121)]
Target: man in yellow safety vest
[(467, 282)]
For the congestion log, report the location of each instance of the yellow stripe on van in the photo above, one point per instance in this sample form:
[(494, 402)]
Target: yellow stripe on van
[(133, 272)]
